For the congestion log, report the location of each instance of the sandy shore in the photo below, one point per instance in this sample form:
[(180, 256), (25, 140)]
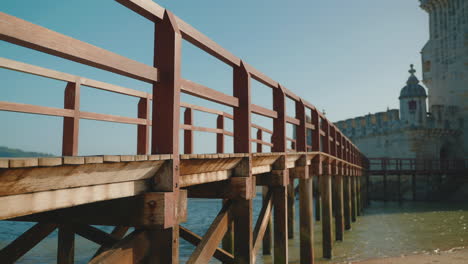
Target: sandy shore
[(455, 256)]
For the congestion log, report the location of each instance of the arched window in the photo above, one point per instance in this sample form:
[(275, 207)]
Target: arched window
[(412, 106)]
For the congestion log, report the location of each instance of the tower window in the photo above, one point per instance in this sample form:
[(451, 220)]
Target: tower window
[(412, 106)]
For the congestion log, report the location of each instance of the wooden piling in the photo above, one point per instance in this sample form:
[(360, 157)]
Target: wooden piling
[(339, 208), (280, 218), (327, 229), (306, 233), (318, 201), (347, 200), (267, 238), (413, 186), (353, 197), (291, 208)]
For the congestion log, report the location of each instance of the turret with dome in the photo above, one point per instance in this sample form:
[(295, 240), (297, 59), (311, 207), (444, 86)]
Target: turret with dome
[(413, 97)]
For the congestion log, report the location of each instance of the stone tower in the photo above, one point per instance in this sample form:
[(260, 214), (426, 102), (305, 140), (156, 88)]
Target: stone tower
[(445, 59), (413, 96)]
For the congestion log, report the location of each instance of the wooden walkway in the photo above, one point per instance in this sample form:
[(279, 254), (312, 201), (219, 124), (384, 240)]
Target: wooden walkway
[(453, 171), (149, 191)]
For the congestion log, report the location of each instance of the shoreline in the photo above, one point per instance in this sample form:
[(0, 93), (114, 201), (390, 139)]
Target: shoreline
[(457, 255)]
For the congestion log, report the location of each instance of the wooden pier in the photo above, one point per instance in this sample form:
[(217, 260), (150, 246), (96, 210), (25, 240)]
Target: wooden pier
[(420, 172), (149, 191)]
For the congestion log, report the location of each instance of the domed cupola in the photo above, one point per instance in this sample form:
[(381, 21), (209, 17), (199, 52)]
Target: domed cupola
[(413, 101), (412, 88)]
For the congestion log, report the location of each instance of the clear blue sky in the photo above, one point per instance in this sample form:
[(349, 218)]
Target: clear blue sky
[(347, 57)]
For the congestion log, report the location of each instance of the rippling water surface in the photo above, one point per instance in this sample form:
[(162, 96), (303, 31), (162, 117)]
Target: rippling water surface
[(385, 229)]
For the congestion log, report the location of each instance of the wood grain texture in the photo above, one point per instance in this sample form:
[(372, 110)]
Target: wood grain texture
[(32, 36)]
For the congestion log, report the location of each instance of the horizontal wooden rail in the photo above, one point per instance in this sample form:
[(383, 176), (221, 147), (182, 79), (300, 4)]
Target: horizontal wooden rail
[(206, 129), (25, 34), (56, 75), (261, 142), (204, 92), (34, 109), (256, 109), (206, 110), (262, 129), (292, 120)]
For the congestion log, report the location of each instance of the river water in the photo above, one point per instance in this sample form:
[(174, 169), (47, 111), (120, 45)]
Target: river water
[(385, 229)]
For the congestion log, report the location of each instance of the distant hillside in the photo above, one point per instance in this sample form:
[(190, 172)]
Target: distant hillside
[(8, 152)]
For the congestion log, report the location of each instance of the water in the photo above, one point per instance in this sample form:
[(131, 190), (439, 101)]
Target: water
[(385, 229)]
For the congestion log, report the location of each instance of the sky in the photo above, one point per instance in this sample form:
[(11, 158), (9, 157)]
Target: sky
[(348, 58)]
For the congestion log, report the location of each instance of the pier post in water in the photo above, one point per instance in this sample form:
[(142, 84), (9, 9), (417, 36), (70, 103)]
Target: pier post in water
[(327, 229), (267, 238), (306, 222), (281, 173), (291, 208), (347, 198), (339, 203), (353, 195), (358, 194)]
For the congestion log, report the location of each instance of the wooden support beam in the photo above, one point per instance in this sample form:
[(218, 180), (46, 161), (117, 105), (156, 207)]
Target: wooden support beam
[(291, 208), (413, 186), (118, 233), (280, 253), (95, 235), (353, 199), (318, 201), (194, 239), (327, 228), (26, 242), (66, 245), (243, 233), (263, 221), (52, 200), (213, 236), (347, 202), (132, 249), (267, 238), (338, 202), (306, 230), (228, 239), (146, 210)]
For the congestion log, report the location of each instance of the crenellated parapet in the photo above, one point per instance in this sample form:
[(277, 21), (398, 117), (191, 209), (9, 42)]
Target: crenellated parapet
[(381, 123)]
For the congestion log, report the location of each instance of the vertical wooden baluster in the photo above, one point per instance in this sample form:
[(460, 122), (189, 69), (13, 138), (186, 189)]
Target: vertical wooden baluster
[(220, 136), (242, 208), (164, 246), (188, 133), (306, 223), (143, 130), (259, 137), (71, 124)]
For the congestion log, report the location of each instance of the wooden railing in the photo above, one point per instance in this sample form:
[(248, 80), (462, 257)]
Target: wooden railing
[(318, 148)]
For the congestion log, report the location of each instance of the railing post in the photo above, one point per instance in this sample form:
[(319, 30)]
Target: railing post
[(280, 201), (242, 208), (220, 136), (259, 137), (188, 133), (71, 124), (143, 130), (306, 222), (164, 246)]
